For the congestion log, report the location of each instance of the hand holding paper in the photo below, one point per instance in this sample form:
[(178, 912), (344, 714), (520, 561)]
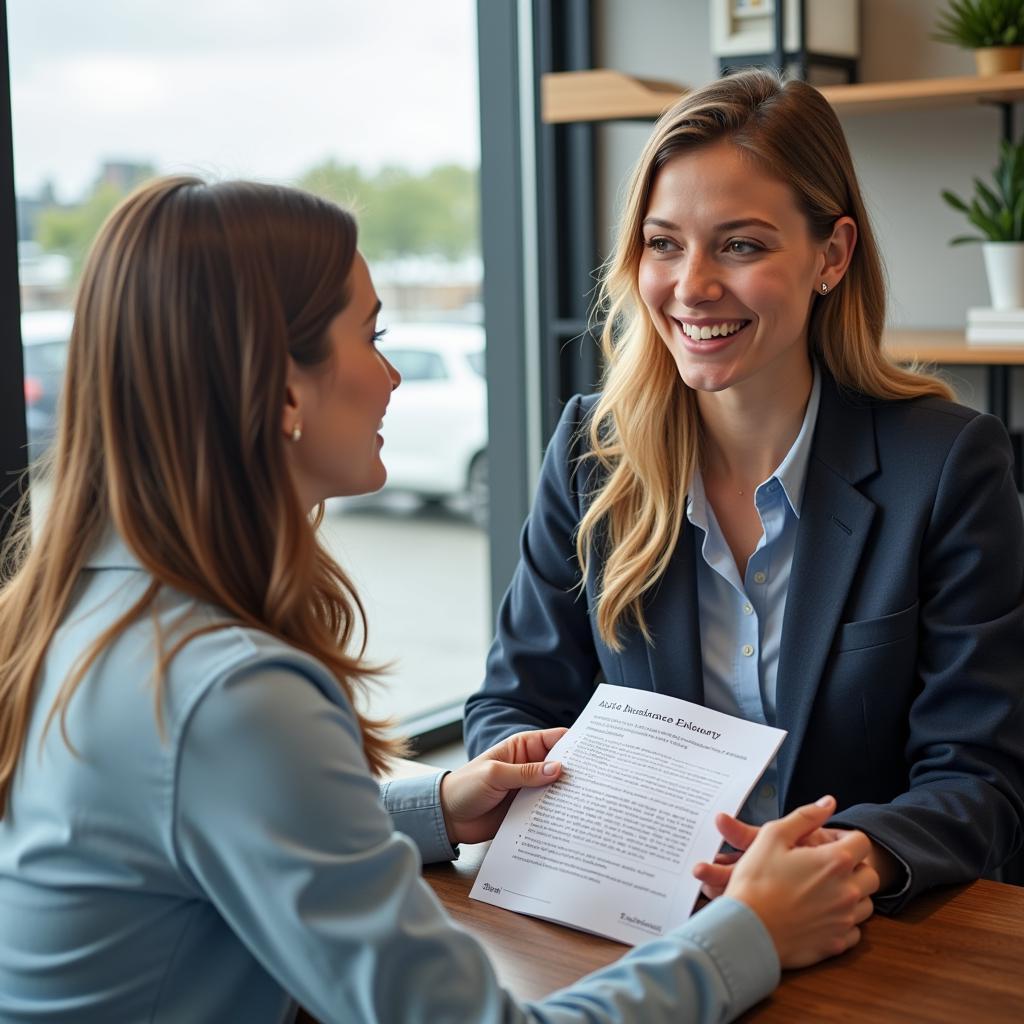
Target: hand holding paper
[(611, 846), (475, 797)]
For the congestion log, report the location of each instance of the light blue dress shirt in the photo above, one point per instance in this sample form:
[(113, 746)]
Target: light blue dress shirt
[(245, 858), (741, 619)]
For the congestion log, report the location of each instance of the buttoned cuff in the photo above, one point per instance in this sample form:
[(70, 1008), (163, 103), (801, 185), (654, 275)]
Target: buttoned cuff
[(414, 804)]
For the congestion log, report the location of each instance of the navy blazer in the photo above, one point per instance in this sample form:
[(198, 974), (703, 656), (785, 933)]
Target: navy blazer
[(901, 670)]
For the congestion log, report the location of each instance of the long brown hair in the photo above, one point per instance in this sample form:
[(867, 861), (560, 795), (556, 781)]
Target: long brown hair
[(170, 430), (645, 429)]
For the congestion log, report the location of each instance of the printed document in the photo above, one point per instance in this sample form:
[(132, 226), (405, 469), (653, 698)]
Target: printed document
[(610, 847)]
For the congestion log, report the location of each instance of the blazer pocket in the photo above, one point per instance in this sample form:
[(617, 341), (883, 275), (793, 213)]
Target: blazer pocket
[(855, 636)]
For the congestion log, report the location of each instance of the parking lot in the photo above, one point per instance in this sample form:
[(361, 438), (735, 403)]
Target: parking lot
[(422, 574)]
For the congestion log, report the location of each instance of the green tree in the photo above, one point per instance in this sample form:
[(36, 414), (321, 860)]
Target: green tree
[(402, 213), (458, 195), (71, 229), (341, 183)]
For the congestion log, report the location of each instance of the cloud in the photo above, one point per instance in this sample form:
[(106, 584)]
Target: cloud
[(239, 89)]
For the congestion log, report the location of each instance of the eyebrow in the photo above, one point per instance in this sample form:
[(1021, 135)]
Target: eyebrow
[(729, 225), (373, 312)]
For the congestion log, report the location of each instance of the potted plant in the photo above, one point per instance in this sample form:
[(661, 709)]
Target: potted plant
[(994, 29), (998, 213)]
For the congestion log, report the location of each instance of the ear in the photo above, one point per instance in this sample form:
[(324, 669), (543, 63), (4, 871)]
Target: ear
[(291, 411), (838, 251)]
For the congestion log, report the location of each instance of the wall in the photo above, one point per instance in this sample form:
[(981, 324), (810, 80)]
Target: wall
[(903, 159)]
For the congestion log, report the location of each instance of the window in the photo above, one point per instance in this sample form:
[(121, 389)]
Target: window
[(314, 93)]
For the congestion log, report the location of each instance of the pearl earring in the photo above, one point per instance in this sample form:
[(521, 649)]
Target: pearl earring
[(296, 433), (824, 288)]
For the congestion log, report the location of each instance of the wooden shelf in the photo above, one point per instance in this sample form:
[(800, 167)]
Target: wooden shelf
[(604, 95), (872, 97), (948, 347)]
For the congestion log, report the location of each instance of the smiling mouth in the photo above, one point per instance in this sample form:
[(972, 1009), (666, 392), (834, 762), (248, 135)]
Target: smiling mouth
[(724, 329)]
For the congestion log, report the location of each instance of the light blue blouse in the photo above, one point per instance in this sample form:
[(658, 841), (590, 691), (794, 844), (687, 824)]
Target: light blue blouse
[(246, 858), (741, 619)]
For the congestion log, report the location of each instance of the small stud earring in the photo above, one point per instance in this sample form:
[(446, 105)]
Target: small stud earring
[(296, 433), (824, 288)]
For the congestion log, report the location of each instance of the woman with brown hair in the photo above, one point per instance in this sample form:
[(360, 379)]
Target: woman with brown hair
[(761, 513), (190, 829)]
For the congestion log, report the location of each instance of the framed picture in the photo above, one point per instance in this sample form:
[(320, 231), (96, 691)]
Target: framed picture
[(747, 27)]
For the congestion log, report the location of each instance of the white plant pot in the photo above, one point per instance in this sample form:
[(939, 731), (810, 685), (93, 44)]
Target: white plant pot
[(1004, 266)]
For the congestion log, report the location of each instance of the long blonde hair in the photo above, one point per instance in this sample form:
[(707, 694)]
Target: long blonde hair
[(645, 433), (191, 302)]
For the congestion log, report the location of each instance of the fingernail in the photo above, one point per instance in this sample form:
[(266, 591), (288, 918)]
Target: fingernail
[(550, 768), (823, 801)]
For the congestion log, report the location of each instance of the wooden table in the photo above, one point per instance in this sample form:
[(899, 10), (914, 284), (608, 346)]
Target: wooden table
[(957, 955), (948, 348)]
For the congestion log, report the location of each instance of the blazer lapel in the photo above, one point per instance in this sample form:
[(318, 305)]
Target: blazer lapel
[(834, 522), (673, 618)]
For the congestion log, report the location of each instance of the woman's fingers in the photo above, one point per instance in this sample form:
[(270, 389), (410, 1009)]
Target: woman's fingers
[(526, 746), (505, 776), (798, 824), (866, 878), (812, 899), (855, 844), (715, 876), (864, 909), (735, 832)]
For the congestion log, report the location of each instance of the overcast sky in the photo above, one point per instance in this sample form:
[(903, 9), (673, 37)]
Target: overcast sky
[(256, 88)]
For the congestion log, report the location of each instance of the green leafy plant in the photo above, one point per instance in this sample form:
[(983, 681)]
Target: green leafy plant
[(975, 24), (998, 213)]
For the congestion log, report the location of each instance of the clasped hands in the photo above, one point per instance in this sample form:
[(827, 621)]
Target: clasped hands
[(810, 886)]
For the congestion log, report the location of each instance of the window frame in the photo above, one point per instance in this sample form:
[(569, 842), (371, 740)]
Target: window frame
[(13, 429), (512, 369)]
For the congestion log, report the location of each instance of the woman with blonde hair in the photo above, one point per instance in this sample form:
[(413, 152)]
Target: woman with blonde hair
[(190, 829), (761, 513)]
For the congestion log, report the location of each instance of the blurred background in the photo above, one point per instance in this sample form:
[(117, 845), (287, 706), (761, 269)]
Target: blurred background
[(330, 97)]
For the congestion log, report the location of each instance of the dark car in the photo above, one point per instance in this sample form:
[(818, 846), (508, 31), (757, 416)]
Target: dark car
[(44, 335)]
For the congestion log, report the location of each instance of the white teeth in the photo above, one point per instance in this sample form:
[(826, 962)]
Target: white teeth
[(716, 331)]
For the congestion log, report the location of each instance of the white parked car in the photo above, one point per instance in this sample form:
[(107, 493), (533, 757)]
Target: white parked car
[(435, 431)]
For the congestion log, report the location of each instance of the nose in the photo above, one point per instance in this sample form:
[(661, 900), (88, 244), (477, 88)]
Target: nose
[(697, 281), (396, 377)]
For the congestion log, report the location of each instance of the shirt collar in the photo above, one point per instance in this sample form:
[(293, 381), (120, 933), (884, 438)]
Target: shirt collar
[(697, 502), (792, 471), (112, 553)]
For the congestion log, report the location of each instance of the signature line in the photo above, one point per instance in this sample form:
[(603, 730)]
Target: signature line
[(526, 896)]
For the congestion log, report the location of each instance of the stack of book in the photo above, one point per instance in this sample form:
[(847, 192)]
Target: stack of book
[(995, 326)]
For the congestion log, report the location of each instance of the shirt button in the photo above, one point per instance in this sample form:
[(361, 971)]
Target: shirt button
[(759, 577), (768, 791), (748, 609), (747, 650)]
